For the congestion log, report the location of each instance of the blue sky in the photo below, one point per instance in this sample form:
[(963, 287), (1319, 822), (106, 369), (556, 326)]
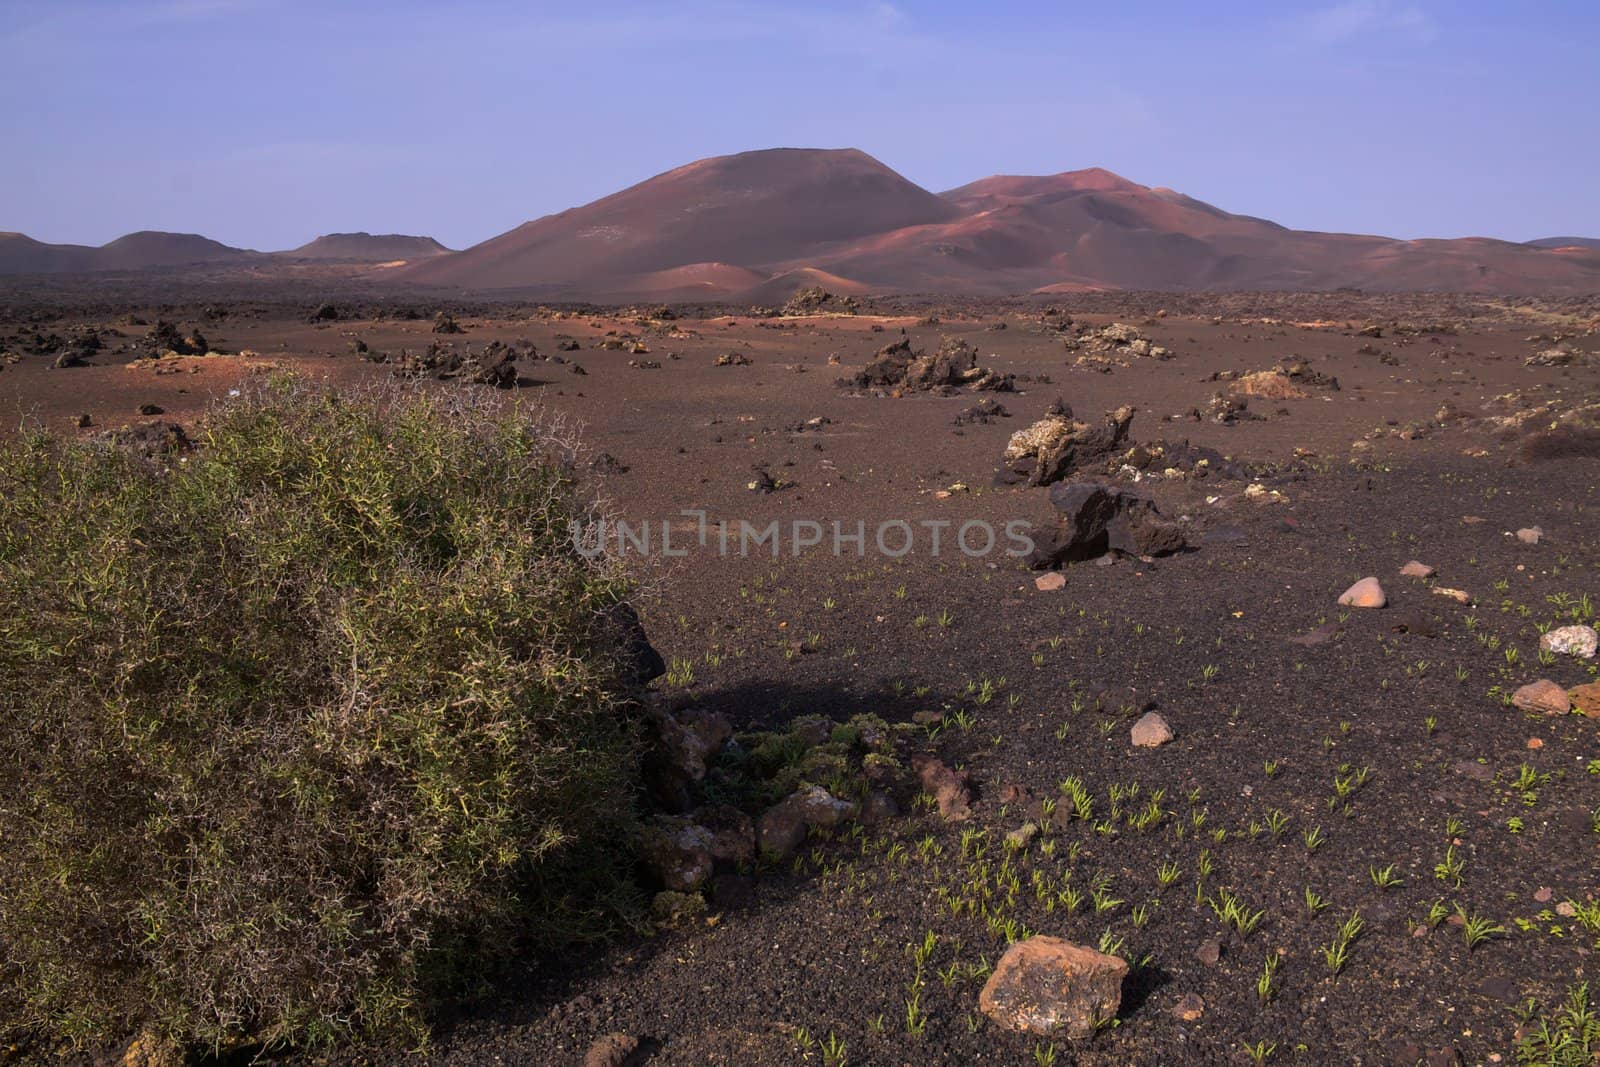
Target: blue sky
[(265, 122)]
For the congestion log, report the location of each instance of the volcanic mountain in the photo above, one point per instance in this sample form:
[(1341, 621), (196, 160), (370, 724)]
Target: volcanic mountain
[(747, 210), (781, 213), (145, 250), (367, 248)]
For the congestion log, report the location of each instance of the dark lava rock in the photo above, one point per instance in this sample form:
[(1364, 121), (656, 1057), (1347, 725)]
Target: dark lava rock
[(641, 662), (984, 411), (149, 441), (896, 368), (606, 463), (1096, 519)]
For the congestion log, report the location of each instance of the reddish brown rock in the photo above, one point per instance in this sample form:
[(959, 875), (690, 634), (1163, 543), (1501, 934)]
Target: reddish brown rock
[(1415, 569), (1543, 697), (1586, 698), (948, 787), (1048, 986)]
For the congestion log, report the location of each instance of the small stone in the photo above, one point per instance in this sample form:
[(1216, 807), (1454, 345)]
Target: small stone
[(780, 830), (733, 835), (818, 807), (1460, 596), (1543, 894), (1543, 697), (1579, 641), (1049, 583), (613, 1050), (678, 851), (1320, 636), (880, 807), (1586, 698), (1415, 569), (1566, 909), (1209, 953), (1047, 985), (1478, 772), (1151, 731), (1530, 535), (1535, 743), (1022, 836), (1189, 1007), (1366, 593)]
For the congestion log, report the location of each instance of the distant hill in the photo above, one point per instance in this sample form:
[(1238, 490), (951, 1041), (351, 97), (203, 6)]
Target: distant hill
[(145, 250), (788, 214), (21, 254), (368, 248), (1591, 243)]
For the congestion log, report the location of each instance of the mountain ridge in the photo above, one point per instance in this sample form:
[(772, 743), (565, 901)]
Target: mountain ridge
[(759, 223)]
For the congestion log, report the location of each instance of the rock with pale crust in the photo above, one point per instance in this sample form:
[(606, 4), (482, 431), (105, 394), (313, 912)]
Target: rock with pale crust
[(1151, 731), (1416, 569), (1366, 593), (1579, 641)]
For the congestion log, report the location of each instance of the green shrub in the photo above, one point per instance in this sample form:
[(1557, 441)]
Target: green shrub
[(305, 732)]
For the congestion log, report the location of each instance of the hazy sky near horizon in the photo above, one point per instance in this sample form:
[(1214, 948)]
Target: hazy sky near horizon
[(263, 123)]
